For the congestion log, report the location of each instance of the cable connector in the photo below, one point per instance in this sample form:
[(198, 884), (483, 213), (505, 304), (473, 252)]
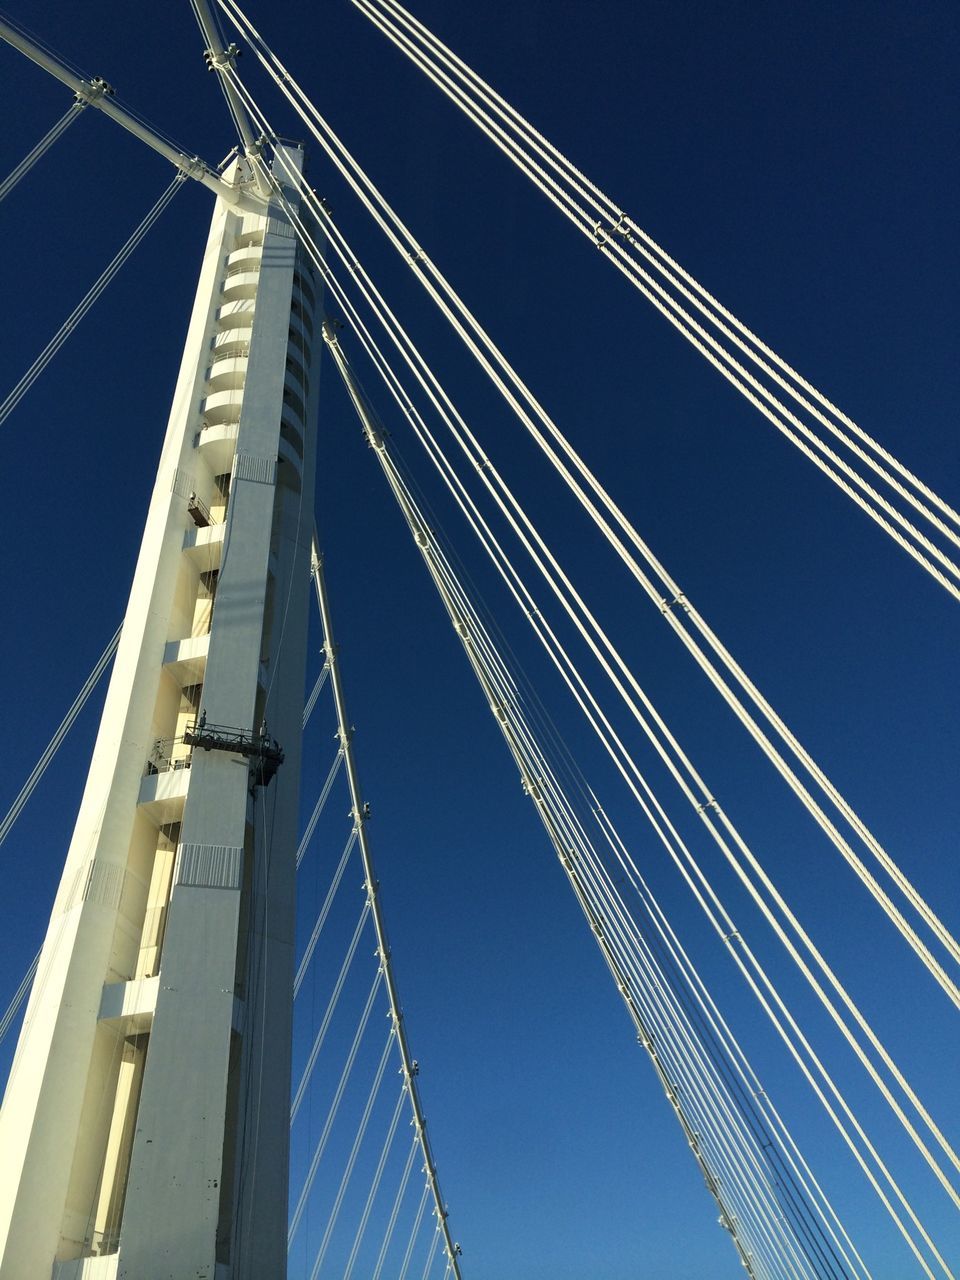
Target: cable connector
[(220, 62), (679, 599), (602, 234), (93, 90)]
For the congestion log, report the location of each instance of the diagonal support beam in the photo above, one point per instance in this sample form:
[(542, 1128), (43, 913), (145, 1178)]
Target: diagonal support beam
[(96, 93)]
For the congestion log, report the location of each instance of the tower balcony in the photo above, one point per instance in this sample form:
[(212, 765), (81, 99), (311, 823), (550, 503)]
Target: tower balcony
[(235, 315), (290, 470), (162, 794), (298, 344), (129, 1005), (304, 291), (217, 444), (293, 396), (296, 371), (292, 433), (205, 546), (243, 285), (302, 322), (222, 406), (227, 372), (186, 660), (231, 342), (246, 258)]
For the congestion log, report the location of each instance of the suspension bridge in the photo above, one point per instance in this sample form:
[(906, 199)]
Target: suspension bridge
[(725, 957)]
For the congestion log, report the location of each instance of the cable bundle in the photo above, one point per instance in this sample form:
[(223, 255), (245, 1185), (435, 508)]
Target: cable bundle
[(873, 1056)]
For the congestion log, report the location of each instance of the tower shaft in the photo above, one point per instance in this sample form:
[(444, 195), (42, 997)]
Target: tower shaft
[(144, 1127)]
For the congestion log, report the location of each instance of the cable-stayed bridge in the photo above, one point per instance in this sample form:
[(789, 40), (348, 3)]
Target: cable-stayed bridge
[(749, 860)]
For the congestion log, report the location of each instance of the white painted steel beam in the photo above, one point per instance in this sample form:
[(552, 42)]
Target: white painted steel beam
[(96, 94)]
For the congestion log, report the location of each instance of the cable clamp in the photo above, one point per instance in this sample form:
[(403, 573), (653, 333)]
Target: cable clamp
[(602, 234), (220, 62), (93, 90), (679, 599), (191, 168)]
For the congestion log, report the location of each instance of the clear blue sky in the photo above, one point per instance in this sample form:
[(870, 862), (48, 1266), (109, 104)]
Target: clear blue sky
[(800, 159)]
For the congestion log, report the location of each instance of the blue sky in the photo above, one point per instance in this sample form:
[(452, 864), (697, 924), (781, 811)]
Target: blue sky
[(800, 160)]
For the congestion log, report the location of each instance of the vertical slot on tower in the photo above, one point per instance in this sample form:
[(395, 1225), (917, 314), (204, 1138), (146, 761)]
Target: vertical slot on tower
[(108, 1213), (158, 900)]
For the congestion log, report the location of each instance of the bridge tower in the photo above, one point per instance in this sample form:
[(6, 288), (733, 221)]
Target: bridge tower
[(145, 1125)]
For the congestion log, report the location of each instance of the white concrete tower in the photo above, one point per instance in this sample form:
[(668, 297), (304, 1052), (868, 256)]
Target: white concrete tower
[(145, 1124)]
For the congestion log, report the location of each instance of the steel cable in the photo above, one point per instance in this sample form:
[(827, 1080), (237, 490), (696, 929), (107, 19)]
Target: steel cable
[(42, 147), (16, 394)]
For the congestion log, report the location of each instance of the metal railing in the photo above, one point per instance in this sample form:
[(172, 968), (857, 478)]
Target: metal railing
[(230, 351), (162, 759), (238, 268), (257, 746)]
